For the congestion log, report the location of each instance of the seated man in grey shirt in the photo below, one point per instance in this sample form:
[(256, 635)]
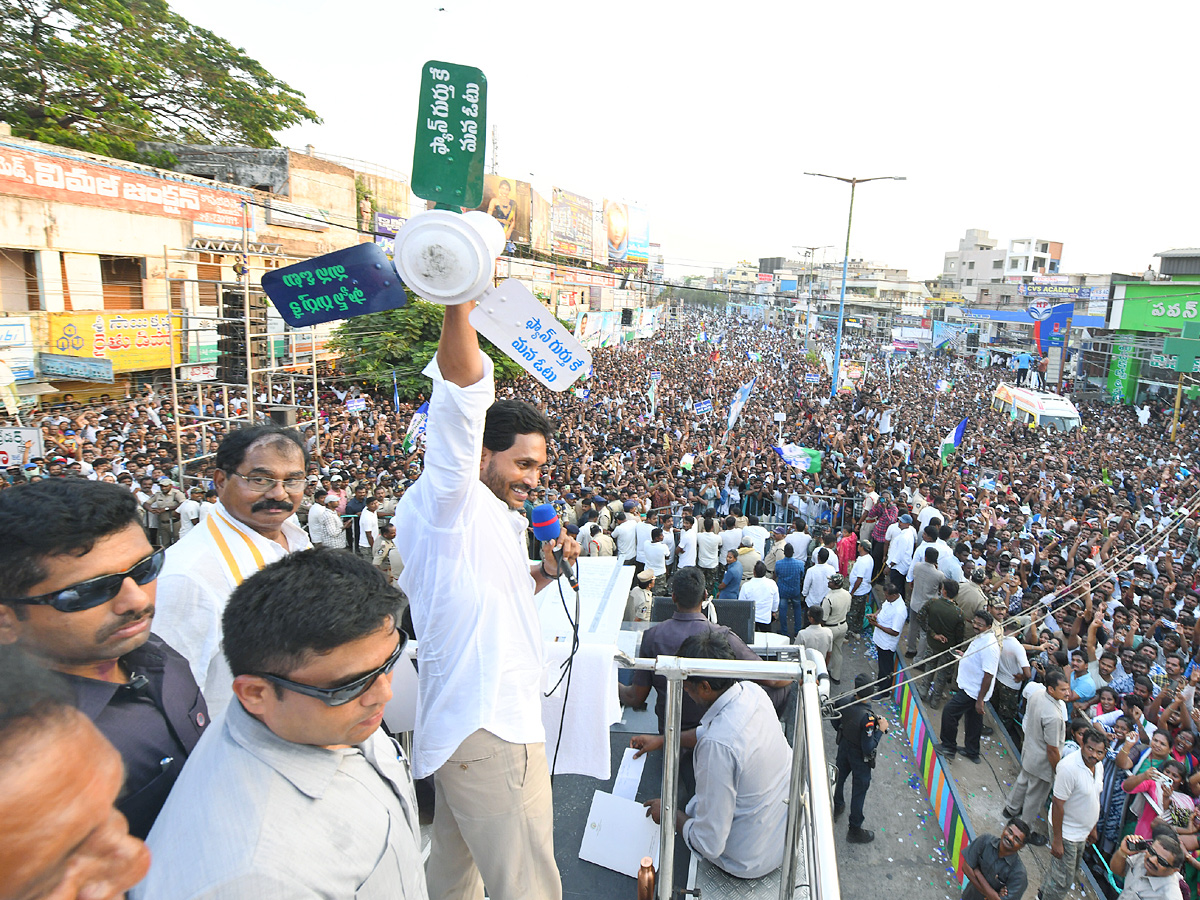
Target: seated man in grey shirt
[(298, 793), (738, 816)]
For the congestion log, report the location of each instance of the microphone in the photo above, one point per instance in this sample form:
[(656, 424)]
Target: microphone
[(546, 527)]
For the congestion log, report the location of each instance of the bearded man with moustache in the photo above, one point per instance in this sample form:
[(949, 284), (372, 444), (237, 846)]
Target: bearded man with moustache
[(460, 530), (78, 597), (260, 478)]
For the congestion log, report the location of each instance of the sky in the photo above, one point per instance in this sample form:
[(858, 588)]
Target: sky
[(1064, 121)]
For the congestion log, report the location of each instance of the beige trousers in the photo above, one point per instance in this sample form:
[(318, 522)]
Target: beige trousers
[(493, 824)]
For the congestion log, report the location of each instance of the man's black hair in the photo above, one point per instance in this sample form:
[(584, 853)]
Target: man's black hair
[(1054, 678), (708, 644), (507, 418), (56, 517), (950, 589), (32, 699), (687, 588), (232, 451), (931, 555), (306, 603)]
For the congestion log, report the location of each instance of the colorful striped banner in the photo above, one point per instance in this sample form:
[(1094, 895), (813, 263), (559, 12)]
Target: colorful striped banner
[(937, 783)]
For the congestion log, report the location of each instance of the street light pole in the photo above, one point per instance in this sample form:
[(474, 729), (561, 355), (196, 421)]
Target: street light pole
[(853, 182)]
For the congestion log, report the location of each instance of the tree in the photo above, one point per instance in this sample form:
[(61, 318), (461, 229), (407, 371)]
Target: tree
[(404, 340), (100, 75)]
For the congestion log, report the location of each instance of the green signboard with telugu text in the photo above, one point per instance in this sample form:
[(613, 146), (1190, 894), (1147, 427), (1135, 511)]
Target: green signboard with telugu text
[(1158, 305), (448, 155)]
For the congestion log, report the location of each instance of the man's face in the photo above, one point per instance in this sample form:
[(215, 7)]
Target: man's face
[(306, 720), (1078, 665), (1012, 838), (1174, 667), (1060, 691), (102, 633), (269, 458), (77, 844), (1107, 665), (1093, 752), (513, 474), (1156, 867)]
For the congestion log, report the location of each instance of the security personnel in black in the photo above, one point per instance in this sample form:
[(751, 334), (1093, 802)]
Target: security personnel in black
[(859, 731), (78, 596)]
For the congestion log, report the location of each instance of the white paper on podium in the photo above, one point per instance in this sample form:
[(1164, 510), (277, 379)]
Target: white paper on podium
[(618, 835), (629, 776), (603, 590)]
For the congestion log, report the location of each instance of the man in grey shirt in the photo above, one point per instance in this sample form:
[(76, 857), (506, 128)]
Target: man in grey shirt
[(738, 816), (926, 584), (298, 793), (1045, 729)]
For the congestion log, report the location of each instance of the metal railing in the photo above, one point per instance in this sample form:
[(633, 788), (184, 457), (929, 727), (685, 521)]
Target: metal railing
[(810, 811)]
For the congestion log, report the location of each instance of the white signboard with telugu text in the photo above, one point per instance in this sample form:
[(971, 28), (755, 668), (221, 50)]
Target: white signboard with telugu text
[(12, 445), (513, 319)]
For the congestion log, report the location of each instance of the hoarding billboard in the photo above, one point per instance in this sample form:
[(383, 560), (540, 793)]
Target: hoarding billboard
[(539, 223), (132, 341), (508, 201), (571, 224)]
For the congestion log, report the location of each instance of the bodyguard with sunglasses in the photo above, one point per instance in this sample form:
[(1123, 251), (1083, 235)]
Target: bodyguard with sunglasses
[(78, 594), (297, 791)]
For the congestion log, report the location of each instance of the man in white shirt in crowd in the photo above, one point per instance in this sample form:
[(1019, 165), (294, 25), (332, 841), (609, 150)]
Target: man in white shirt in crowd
[(686, 543), (189, 511), (765, 595), (860, 586), (324, 524), (800, 540), (1074, 812), (654, 554), (738, 815), (645, 527), (625, 535), (816, 579), (368, 527), (976, 679), (708, 549), (888, 623), (758, 534), (731, 536), (260, 478), (901, 540), (461, 531)]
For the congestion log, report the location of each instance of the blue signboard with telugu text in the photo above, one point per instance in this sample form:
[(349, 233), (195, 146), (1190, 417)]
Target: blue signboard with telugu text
[(350, 282)]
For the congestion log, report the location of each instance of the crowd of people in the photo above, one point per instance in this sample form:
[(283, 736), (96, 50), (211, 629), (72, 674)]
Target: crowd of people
[(1051, 574)]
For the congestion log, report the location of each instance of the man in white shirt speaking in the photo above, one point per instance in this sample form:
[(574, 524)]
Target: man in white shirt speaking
[(460, 530)]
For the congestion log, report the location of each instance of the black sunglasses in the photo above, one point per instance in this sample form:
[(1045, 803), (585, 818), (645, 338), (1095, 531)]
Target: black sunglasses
[(94, 591), (339, 696)]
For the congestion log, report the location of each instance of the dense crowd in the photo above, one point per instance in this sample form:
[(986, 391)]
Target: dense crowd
[(1019, 561)]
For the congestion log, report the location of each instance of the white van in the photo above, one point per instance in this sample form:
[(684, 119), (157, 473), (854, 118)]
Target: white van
[(1041, 408)]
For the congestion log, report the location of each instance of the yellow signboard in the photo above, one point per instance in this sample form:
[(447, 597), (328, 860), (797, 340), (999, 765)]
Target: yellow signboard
[(133, 340)]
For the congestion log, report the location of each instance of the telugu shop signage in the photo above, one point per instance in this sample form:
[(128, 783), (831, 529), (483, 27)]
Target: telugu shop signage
[(87, 182)]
